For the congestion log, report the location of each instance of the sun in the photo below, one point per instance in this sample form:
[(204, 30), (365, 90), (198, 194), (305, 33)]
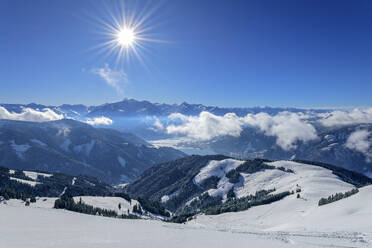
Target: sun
[(126, 37), (126, 31)]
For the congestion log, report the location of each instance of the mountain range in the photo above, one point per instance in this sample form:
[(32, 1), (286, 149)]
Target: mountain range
[(149, 121), (75, 148), (135, 108), (330, 147)]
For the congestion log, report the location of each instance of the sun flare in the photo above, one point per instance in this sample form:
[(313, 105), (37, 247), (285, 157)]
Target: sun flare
[(126, 37), (126, 32)]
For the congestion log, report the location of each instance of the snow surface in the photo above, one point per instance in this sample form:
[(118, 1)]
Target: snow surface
[(218, 169), (33, 227), (314, 181), (121, 185), (110, 203), (34, 175), (38, 142), (345, 223), (86, 148), (350, 218), (65, 145), (166, 198), (32, 183), (19, 149), (122, 161), (290, 222)]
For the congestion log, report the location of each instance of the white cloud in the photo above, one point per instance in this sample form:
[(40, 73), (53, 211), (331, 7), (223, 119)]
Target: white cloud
[(287, 127), (29, 114), (340, 118), (115, 79), (361, 141), (206, 126), (99, 121), (157, 125)]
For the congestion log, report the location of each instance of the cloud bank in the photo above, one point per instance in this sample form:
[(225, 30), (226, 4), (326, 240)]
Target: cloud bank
[(115, 79), (287, 127), (99, 121), (206, 126), (29, 114), (341, 118), (157, 125), (361, 141)]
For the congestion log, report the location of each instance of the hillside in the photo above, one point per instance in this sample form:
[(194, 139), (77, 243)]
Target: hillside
[(76, 148), (37, 184), (331, 147), (218, 184), (290, 222)]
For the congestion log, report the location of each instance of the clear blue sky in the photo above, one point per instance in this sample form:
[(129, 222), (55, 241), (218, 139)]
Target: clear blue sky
[(225, 53)]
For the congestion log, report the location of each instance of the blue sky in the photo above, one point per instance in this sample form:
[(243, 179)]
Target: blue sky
[(224, 53)]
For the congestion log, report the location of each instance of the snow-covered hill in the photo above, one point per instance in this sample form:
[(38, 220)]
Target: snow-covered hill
[(198, 183), (346, 223), (348, 220), (289, 222), (315, 182)]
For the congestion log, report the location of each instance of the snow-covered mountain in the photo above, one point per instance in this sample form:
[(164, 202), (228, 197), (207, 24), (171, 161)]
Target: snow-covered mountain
[(135, 108), (331, 146), (218, 184), (138, 117), (318, 134), (22, 184), (76, 148)]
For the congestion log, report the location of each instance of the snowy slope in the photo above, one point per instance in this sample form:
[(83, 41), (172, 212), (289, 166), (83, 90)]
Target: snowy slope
[(59, 228), (290, 222), (34, 175), (218, 169), (109, 203), (313, 181), (351, 218)]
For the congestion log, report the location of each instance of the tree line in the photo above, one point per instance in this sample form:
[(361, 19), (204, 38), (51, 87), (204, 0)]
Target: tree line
[(337, 197)]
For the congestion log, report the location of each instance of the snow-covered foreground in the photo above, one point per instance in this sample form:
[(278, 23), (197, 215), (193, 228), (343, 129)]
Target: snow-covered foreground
[(290, 222), (44, 227), (41, 227)]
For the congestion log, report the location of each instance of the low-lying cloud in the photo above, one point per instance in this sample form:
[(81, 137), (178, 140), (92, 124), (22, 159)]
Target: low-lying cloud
[(113, 78), (342, 118), (206, 126), (287, 127), (157, 125), (29, 114), (361, 141), (99, 121)]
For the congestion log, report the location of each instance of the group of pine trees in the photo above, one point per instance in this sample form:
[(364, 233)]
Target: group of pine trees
[(337, 196), (8, 193), (235, 205), (153, 207)]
